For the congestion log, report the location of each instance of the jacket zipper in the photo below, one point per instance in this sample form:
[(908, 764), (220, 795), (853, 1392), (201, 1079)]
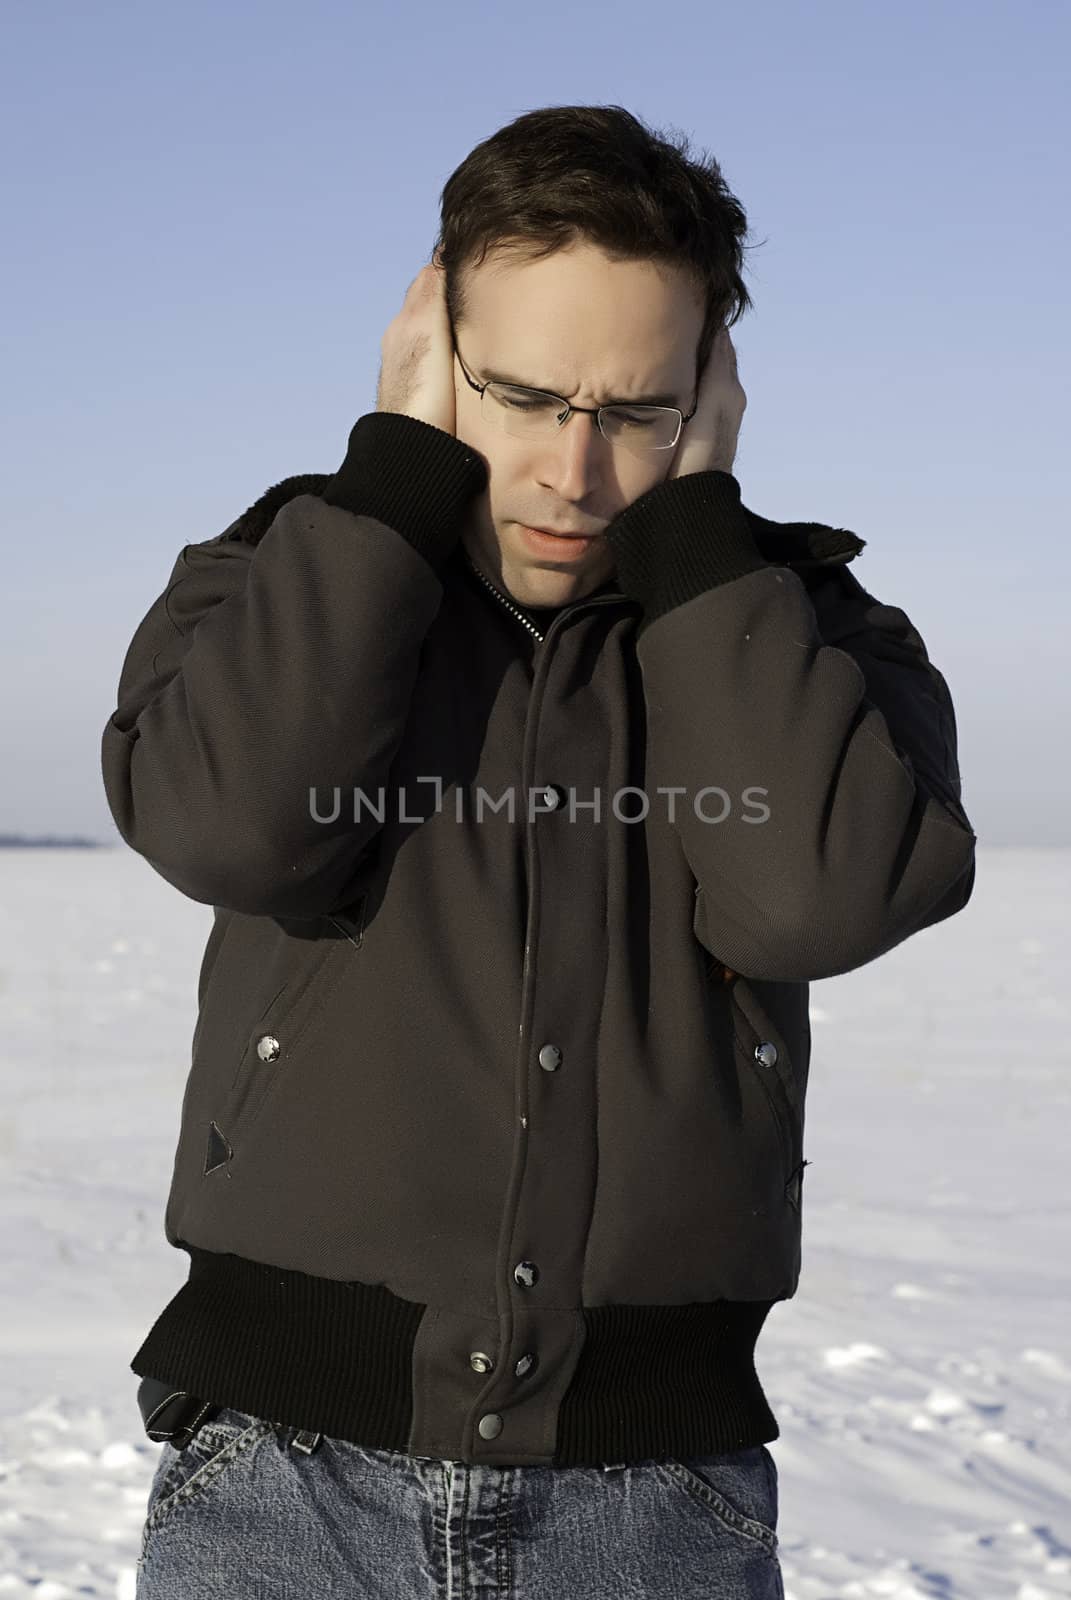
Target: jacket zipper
[(614, 597), (784, 1132), (515, 611), (501, 597)]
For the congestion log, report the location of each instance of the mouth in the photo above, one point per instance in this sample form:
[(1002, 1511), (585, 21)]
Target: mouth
[(561, 545)]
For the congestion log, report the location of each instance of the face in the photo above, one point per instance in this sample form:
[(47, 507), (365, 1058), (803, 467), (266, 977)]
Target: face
[(593, 331)]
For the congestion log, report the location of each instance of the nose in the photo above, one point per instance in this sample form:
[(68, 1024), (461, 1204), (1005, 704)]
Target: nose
[(576, 458)]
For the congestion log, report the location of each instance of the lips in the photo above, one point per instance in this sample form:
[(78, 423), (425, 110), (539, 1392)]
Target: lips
[(561, 533)]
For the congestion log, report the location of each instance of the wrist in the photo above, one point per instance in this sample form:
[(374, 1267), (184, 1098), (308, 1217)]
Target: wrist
[(682, 537)]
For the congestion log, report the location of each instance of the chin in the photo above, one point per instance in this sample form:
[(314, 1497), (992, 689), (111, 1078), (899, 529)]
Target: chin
[(546, 587)]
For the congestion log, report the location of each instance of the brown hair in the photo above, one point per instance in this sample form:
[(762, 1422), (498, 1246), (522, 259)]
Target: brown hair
[(564, 174)]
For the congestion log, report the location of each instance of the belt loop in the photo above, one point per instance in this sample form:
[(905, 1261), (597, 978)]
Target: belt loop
[(305, 1441)]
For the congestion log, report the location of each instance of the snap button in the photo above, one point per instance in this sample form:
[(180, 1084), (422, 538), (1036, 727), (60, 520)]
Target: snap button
[(526, 1273), (490, 1425), (479, 1362), (552, 797), (525, 1365), (268, 1047), (550, 1058), (766, 1053)]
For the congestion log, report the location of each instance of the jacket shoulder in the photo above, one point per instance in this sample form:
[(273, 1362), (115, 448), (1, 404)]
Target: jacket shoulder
[(256, 519)]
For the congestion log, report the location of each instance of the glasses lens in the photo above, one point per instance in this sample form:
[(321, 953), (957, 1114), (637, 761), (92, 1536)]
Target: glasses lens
[(531, 414), (525, 413), (642, 427)]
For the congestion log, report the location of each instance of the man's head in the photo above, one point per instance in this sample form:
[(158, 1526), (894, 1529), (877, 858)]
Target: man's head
[(588, 257)]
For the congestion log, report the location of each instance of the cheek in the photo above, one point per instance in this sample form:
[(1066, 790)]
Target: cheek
[(470, 425), (636, 477), (655, 471), (505, 465)]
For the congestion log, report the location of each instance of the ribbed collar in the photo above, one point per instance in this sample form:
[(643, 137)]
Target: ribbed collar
[(788, 544)]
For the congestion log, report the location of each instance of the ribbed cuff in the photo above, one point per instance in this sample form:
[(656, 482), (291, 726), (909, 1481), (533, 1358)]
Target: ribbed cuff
[(412, 476), (682, 537)]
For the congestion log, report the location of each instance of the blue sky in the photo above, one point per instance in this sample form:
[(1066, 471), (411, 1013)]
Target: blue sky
[(214, 211)]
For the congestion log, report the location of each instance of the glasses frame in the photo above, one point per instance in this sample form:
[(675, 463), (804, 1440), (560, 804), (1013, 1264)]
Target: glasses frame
[(587, 411)]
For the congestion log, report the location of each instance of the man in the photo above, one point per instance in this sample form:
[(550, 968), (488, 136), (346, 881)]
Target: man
[(524, 847)]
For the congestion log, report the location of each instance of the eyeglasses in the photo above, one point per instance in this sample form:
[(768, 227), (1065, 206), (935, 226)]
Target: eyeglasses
[(535, 414)]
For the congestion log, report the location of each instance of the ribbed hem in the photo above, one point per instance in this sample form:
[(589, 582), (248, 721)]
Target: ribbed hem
[(682, 537), (410, 475), (336, 1358), (657, 1381)]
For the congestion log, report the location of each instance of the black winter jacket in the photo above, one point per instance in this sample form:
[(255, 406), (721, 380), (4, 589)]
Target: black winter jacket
[(492, 1143)]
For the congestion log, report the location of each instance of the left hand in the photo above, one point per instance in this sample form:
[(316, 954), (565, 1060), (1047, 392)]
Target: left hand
[(708, 442)]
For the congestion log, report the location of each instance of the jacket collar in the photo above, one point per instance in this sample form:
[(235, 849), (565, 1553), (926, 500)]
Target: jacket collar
[(803, 544), (790, 544), (255, 521)]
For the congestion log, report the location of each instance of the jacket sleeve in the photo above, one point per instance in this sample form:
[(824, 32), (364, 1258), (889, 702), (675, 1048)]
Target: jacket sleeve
[(265, 671), (829, 758)]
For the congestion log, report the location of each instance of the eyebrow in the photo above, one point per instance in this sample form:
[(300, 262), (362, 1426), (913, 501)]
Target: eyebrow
[(636, 400)]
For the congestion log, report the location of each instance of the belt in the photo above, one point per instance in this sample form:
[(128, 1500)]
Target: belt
[(173, 1414)]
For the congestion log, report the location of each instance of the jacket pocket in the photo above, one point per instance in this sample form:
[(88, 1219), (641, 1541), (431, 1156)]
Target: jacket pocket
[(764, 1054), (272, 1042)]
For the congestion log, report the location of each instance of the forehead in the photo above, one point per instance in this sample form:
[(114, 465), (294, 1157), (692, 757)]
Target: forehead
[(578, 317)]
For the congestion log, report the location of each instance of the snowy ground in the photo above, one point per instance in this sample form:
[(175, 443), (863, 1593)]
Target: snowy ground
[(921, 1376)]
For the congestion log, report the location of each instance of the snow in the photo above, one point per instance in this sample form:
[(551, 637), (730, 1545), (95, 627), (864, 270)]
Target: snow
[(921, 1376)]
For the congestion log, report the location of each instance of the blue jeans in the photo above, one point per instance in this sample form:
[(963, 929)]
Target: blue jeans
[(243, 1513)]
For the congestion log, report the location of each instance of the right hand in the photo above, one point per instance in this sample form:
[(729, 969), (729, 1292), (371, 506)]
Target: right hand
[(416, 373)]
